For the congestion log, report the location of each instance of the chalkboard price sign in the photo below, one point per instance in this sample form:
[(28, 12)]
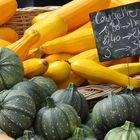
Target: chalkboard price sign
[(117, 31)]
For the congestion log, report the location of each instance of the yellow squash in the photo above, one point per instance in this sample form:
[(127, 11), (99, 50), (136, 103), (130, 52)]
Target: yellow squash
[(127, 69), (76, 13), (34, 67), (87, 25), (49, 28), (59, 56), (91, 70), (34, 53), (8, 34), (4, 43), (93, 55), (130, 69), (74, 78), (115, 3), (7, 10), (89, 54), (40, 16), (58, 71), (22, 46), (74, 42)]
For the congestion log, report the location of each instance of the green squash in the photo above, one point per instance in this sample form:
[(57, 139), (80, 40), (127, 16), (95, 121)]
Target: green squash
[(115, 110), (56, 121), (97, 132), (80, 135), (87, 130), (126, 132), (29, 135), (17, 112), (11, 68), (71, 96), (32, 89), (46, 83)]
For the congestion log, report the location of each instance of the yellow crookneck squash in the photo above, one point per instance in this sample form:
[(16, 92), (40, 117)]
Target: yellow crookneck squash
[(8, 34), (58, 71), (115, 3), (34, 53), (40, 17), (92, 70), (34, 67), (73, 78), (73, 43), (22, 46), (58, 57), (49, 28), (93, 55), (7, 10), (4, 43), (76, 13)]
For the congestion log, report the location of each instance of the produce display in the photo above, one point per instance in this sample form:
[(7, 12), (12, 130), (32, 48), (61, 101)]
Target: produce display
[(41, 71)]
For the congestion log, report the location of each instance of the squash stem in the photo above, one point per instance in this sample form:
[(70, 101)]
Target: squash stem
[(78, 134), (128, 125), (72, 86), (50, 102), (28, 134)]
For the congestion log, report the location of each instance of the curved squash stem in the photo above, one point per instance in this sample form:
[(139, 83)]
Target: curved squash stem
[(50, 102), (128, 125)]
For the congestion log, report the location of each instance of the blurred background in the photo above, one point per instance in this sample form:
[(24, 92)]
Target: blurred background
[(38, 3)]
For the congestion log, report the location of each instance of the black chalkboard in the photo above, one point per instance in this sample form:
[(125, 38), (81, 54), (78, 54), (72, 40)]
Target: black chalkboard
[(117, 31)]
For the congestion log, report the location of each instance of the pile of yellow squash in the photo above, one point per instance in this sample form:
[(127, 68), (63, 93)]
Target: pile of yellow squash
[(60, 44)]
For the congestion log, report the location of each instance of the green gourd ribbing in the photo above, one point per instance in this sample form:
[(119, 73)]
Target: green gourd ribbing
[(98, 133), (87, 130), (71, 96), (56, 121), (32, 89), (80, 135), (17, 112), (11, 68), (29, 135), (115, 110), (46, 83), (126, 132)]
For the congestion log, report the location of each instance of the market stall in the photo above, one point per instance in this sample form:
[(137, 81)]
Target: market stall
[(57, 79)]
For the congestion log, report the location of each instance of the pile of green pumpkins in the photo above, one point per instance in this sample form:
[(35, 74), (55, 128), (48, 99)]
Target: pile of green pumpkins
[(34, 109)]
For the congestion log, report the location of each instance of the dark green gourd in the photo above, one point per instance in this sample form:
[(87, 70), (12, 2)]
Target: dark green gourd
[(29, 135), (46, 83), (126, 132), (115, 110), (32, 89), (80, 135), (87, 130), (11, 68), (71, 96), (56, 121), (17, 112)]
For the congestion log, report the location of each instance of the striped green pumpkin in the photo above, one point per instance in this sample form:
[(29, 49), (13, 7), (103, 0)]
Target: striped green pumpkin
[(29, 135), (73, 97), (11, 68), (115, 110), (126, 132), (46, 83), (79, 134), (56, 121), (32, 89), (17, 112)]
